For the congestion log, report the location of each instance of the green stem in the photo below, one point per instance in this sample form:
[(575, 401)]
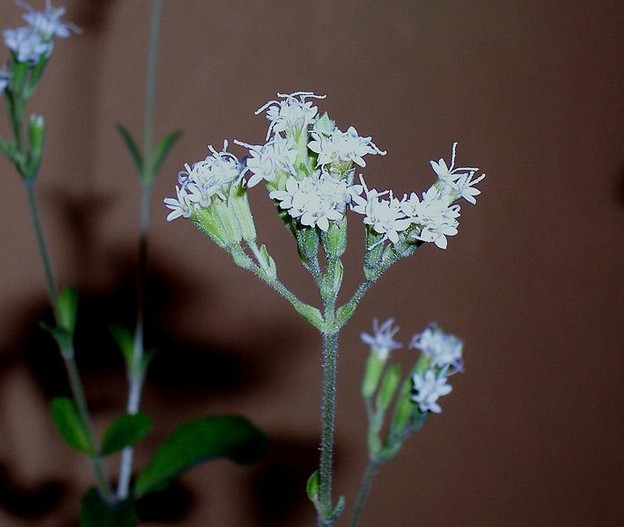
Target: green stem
[(330, 360), (81, 404), (367, 482), (29, 185), (150, 87), (136, 370), (67, 352)]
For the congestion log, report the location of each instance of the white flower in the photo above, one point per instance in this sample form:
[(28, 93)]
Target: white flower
[(433, 215), (27, 44), (315, 200), (382, 340), (342, 146), (266, 159), (452, 173), (5, 78), (457, 182), (444, 349), (386, 217), (428, 389), (48, 23), (293, 112), (203, 180), (464, 186), (182, 206)]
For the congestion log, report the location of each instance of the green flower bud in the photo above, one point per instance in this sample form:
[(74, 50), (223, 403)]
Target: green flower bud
[(335, 239), (388, 387), (36, 134), (374, 368)]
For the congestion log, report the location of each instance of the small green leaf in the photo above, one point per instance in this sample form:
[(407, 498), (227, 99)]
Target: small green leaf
[(95, 512), (200, 440), (312, 487), (70, 426), (68, 308), (162, 151), (63, 338), (125, 340), (125, 430), (132, 147), (338, 509)]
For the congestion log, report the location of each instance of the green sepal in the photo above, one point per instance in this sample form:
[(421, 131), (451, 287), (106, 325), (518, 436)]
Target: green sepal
[(312, 487), (19, 70), (70, 426), (36, 136), (307, 245), (335, 239), (267, 262), (67, 308), (125, 430), (332, 279), (240, 210), (35, 73), (373, 247), (133, 148), (96, 512), (372, 373), (160, 154), (388, 386), (9, 149), (403, 410), (197, 441)]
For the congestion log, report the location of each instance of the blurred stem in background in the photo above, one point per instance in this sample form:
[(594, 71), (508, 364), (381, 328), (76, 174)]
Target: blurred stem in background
[(136, 371)]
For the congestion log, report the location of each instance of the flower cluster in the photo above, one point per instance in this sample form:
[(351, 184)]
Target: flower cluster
[(199, 184), (32, 42), (441, 357), (308, 165)]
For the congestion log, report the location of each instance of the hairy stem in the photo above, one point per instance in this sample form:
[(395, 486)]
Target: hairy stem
[(330, 360)]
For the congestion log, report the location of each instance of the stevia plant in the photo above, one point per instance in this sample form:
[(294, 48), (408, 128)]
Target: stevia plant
[(201, 439), (308, 166)]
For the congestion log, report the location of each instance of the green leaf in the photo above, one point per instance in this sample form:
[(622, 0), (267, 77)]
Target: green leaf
[(125, 430), (125, 340), (161, 152), (95, 512), (199, 440), (68, 308), (312, 487), (70, 426), (132, 148)]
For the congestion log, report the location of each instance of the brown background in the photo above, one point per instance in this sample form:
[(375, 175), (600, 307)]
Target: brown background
[(532, 433)]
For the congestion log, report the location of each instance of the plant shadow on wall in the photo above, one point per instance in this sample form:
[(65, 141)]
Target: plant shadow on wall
[(188, 375)]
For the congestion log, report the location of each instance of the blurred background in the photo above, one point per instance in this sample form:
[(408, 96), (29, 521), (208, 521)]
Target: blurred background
[(534, 281)]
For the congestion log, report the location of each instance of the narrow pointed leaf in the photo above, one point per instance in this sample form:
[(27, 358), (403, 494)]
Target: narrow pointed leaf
[(132, 147), (95, 512), (68, 308), (125, 340), (162, 151), (199, 440), (70, 426), (125, 431)]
